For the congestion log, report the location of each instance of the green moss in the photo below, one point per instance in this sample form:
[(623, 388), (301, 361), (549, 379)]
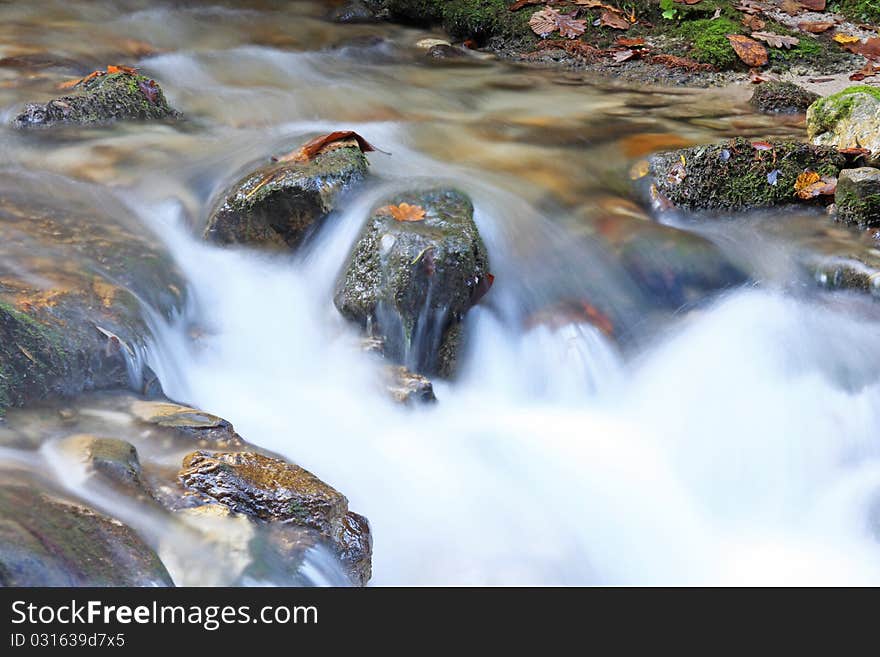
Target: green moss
[(709, 41), (826, 112), (465, 18), (861, 10), (31, 357)]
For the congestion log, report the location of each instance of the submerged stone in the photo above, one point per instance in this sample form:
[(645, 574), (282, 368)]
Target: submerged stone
[(278, 205), (277, 491), (736, 175), (46, 540), (109, 459), (857, 199), (782, 98), (412, 282), (848, 119), (103, 99)]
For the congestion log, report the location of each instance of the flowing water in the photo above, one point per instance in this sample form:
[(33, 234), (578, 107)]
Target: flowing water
[(729, 434)]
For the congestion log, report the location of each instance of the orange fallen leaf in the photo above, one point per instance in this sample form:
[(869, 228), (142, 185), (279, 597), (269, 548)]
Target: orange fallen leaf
[(869, 48), (111, 69), (825, 186), (311, 149), (519, 4), (636, 42), (804, 180), (403, 212), (854, 153), (813, 5), (748, 50)]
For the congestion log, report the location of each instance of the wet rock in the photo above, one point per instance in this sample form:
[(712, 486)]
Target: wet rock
[(276, 491), (857, 199), (188, 422), (735, 175), (278, 205), (406, 387), (113, 461), (445, 52), (358, 11), (848, 119), (49, 541), (103, 99), (77, 275), (412, 282), (782, 98)]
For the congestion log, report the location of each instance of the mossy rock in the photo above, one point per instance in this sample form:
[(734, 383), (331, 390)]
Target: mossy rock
[(109, 460), (274, 490), (782, 98), (736, 175), (857, 200), (78, 278), (46, 540), (411, 282), (847, 119), (278, 205), (103, 99)]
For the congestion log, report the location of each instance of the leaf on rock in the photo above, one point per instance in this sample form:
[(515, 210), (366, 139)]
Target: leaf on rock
[(854, 153), (869, 48), (816, 27), (688, 2), (825, 186), (813, 5), (614, 21), (750, 7), (869, 70), (623, 55), (672, 61), (806, 179), (753, 22), (845, 38), (635, 42), (403, 212), (762, 145), (121, 69), (748, 50), (776, 40), (546, 21), (112, 68), (569, 26), (519, 4), (311, 149)]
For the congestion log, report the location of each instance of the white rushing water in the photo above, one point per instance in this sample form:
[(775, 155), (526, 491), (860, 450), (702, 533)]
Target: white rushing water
[(739, 448)]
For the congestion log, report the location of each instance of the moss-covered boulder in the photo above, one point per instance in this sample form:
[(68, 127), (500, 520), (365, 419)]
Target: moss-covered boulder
[(782, 98), (274, 490), (46, 540), (101, 99), (412, 282), (78, 278), (857, 199), (848, 119), (736, 175), (278, 205)]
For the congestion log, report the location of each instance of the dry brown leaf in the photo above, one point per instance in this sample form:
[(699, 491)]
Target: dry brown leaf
[(403, 212), (546, 21), (311, 149), (816, 27), (869, 48), (813, 5), (806, 179), (519, 4), (635, 42), (688, 2), (869, 70), (614, 21), (671, 61), (753, 22), (825, 186), (569, 26), (623, 55), (776, 40), (749, 7), (791, 7), (748, 50)]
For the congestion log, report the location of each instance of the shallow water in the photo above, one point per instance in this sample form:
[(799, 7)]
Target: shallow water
[(727, 436)]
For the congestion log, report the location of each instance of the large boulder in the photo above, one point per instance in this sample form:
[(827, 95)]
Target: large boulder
[(79, 277), (274, 490), (412, 282), (736, 175), (847, 119), (857, 198), (101, 99), (782, 98), (46, 540), (279, 204)]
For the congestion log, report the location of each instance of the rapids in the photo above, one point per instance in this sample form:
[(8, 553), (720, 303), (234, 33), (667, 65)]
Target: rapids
[(729, 439)]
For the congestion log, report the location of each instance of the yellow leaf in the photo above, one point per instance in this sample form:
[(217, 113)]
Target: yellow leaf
[(806, 179), (639, 169), (846, 38)]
